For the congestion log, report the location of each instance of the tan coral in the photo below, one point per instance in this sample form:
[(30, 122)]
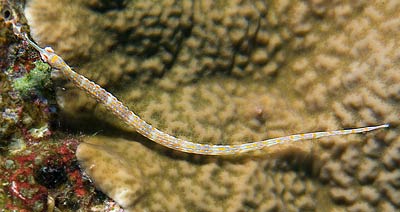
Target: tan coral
[(126, 185), (137, 41), (248, 70), (183, 185)]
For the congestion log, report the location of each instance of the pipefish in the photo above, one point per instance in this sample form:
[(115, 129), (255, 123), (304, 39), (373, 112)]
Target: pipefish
[(131, 119)]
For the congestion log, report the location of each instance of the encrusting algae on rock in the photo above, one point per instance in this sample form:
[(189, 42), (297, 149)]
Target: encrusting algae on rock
[(36, 80), (331, 80), (39, 170)]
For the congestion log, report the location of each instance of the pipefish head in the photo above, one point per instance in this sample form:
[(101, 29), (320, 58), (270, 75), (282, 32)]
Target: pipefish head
[(48, 55)]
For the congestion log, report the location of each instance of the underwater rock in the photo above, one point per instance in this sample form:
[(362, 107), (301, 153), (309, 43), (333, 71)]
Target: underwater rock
[(28, 140), (51, 176)]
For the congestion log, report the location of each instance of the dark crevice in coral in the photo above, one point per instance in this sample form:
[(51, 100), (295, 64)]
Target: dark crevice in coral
[(104, 6), (185, 32)]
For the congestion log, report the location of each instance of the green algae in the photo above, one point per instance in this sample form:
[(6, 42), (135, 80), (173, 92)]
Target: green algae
[(35, 81)]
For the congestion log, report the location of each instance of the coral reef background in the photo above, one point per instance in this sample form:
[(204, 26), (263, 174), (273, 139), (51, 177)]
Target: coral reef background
[(231, 72)]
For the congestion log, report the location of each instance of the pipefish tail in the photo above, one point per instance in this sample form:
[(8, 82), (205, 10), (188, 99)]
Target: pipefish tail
[(162, 138)]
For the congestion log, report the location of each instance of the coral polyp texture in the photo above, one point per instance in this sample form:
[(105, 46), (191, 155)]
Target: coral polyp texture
[(168, 43), (224, 72)]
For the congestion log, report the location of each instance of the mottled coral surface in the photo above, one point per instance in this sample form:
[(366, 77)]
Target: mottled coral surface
[(231, 72)]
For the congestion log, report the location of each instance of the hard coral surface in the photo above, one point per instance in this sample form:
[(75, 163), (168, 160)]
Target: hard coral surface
[(169, 183), (231, 72), (169, 44)]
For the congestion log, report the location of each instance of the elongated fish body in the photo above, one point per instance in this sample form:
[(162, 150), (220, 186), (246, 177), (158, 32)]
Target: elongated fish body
[(145, 129)]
